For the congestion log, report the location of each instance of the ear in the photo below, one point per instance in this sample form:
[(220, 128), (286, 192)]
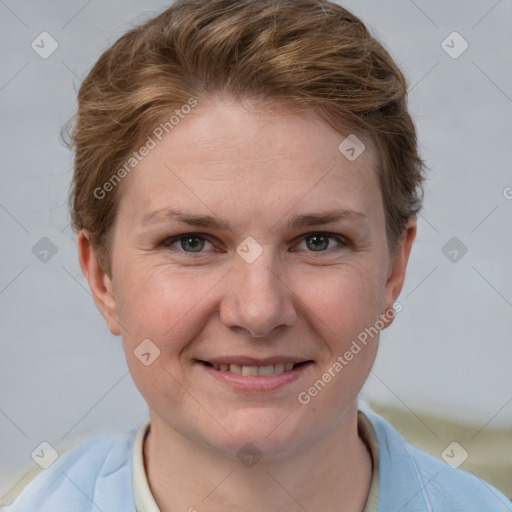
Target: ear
[(99, 282), (397, 266)]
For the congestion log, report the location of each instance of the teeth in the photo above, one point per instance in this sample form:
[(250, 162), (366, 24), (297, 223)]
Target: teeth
[(254, 371), (278, 368), (250, 370), (264, 370), (235, 368)]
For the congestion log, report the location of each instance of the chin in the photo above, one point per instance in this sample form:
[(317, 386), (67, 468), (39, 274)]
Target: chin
[(271, 432)]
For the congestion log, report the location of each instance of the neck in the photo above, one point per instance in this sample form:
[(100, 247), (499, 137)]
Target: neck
[(330, 473)]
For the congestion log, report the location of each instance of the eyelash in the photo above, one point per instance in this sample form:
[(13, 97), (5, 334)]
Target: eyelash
[(167, 242)]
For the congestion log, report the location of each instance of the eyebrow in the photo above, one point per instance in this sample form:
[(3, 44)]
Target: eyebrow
[(209, 221)]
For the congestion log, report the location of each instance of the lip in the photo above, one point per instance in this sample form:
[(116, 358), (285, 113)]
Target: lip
[(255, 361), (258, 383)]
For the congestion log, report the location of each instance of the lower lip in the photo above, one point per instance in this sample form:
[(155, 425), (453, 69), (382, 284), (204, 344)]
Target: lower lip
[(256, 383)]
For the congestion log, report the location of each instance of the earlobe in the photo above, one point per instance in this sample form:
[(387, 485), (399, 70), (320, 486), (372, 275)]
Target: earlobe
[(99, 281), (398, 265)]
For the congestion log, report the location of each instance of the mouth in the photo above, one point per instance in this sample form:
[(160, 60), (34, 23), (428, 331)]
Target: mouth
[(267, 370), (247, 374)]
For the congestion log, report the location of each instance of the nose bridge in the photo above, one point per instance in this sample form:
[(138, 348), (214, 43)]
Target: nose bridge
[(257, 298)]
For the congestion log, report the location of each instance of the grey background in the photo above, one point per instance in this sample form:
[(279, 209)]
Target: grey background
[(63, 376)]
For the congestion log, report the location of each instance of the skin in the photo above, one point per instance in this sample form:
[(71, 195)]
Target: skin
[(255, 169)]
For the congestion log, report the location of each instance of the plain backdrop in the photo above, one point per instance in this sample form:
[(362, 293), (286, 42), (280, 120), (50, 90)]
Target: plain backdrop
[(63, 376)]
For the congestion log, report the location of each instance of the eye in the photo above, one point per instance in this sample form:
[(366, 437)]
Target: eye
[(192, 244), (189, 243), (320, 242)]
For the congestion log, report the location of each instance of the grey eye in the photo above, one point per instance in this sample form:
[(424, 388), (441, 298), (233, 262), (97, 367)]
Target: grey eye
[(192, 243), (318, 242)]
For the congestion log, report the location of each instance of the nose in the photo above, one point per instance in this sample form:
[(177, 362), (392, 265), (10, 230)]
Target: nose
[(257, 299)]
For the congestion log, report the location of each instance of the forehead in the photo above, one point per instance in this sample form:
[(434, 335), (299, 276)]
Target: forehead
[(224, 157)]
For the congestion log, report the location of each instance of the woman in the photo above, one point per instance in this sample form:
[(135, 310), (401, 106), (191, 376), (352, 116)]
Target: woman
[(246, 185)]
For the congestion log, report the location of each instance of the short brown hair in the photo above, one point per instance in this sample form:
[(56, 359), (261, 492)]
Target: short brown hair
[(305, 54)]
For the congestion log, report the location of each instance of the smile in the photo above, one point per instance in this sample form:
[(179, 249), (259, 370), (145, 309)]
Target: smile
[(254, 371), (251, 378)]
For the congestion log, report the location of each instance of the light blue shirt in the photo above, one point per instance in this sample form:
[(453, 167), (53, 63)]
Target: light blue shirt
[(96, 475)]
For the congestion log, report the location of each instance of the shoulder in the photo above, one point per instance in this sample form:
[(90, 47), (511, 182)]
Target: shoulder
[(454, 489), (413, 480), (91, 475)]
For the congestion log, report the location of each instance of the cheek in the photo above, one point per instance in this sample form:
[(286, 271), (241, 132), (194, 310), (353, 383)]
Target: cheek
[(163, 303), (160, 303), (346, 299), (347, 307), (163, 306)]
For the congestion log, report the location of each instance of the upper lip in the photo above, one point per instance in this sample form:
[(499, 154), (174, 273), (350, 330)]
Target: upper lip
[(255, 361)]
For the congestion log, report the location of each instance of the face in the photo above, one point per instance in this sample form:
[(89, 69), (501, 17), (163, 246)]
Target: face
[(249, 239)]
